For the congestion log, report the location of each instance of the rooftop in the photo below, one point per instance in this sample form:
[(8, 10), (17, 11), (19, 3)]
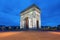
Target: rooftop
[(33, 5)]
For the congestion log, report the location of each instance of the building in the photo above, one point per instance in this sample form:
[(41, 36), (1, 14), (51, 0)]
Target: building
[(30, 18)]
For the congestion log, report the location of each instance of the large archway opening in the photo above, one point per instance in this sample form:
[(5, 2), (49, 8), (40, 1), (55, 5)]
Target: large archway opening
[(26, 23), (37, 23)]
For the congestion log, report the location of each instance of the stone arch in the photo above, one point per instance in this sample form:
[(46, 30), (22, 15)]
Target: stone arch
[(26, 24), (37, 24)]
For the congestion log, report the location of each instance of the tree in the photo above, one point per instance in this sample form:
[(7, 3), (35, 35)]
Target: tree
[(58, 27)]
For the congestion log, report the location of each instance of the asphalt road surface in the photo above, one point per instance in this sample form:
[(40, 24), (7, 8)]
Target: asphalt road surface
[(30, 35)]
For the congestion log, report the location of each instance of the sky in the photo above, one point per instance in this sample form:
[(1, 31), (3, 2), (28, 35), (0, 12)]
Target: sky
[(10, 11)]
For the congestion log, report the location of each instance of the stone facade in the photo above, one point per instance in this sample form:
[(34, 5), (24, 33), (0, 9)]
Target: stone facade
[(30, 18)]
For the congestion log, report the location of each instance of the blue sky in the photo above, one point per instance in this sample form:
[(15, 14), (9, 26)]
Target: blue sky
[(10, 11)]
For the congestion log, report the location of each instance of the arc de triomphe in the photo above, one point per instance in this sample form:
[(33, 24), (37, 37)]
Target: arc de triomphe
[(30, 18)]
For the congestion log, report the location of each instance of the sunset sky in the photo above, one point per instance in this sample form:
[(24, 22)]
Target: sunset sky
[(10, 11)]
